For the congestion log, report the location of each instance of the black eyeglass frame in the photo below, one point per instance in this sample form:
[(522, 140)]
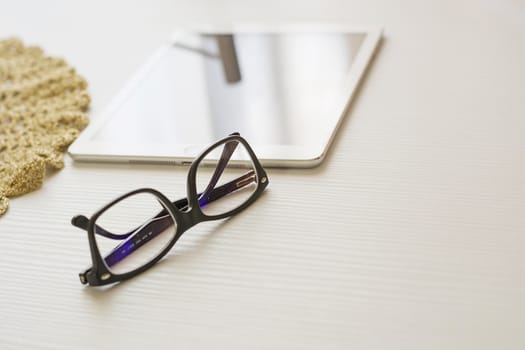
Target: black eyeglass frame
[(186, 212)]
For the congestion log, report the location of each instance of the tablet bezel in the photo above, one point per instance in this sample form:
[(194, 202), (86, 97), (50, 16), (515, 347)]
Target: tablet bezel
[(86, 149)]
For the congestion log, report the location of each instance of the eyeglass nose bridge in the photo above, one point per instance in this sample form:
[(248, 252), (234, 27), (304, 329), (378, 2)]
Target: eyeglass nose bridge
[(187, 219)]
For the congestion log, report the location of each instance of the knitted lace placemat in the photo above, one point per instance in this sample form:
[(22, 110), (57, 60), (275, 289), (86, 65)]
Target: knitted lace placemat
[(43, 104)]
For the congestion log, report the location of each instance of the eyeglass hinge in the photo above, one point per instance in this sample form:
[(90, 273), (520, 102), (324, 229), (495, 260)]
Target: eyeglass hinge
[(83, 278)]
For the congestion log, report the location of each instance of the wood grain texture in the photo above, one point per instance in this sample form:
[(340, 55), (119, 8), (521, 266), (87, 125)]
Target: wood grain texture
[(409, 236)]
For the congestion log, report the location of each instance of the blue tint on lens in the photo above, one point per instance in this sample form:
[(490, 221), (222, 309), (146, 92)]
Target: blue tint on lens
[(202, 201), (120, 253), (143, 235)]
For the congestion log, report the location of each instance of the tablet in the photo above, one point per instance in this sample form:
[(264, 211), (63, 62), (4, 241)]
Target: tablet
[(285, 90)]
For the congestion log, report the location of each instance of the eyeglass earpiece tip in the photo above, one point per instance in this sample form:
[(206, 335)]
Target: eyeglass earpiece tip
[(80, 221)]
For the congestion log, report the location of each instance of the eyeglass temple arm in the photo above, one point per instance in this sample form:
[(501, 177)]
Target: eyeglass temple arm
[(227, 152), (227, 188)]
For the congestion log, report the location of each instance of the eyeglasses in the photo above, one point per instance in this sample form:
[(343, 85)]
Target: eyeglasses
[(133, 232)]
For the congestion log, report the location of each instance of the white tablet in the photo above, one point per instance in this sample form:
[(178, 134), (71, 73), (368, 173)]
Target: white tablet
[(284, 89)]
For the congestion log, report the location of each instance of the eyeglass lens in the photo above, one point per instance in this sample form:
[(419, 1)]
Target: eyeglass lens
[(141, 229)]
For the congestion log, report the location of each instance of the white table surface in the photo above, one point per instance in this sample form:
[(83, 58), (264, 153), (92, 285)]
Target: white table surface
[(410, 236)]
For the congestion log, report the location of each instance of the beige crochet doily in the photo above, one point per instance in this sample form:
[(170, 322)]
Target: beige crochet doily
[(43, 105)]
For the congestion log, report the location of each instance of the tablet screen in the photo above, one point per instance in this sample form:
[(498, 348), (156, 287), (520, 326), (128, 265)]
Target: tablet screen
[(275, 89)]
